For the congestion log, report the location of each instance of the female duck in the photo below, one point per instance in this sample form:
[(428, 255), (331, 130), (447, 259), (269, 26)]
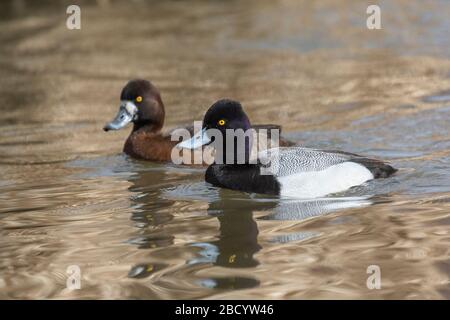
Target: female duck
[(141, 104), (293, 172)]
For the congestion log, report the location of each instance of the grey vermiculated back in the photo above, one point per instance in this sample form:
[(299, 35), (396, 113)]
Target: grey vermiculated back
[(287, 161)]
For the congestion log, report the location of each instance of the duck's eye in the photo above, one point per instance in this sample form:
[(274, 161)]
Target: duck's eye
[(221, 122), (139, 99)]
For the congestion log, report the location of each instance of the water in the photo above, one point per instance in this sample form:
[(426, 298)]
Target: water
[(68, 196)]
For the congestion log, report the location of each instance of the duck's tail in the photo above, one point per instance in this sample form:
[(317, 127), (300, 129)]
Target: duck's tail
[(378, 168)]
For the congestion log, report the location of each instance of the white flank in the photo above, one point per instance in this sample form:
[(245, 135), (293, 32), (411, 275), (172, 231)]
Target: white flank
[(315, 184)]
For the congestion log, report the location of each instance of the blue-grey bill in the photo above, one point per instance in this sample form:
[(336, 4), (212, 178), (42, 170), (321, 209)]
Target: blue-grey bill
[(124, 116), (198, 140)]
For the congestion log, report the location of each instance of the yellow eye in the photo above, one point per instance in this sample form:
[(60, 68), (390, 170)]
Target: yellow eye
[(139, 99), (221, 122)]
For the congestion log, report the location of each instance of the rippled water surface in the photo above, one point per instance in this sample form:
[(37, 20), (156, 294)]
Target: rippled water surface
[(68, 196)]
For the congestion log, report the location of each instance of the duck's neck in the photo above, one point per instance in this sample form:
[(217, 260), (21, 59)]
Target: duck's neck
[(146, 127), (236, 156)]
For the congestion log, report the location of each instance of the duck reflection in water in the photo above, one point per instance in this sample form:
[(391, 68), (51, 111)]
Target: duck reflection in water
[(237, 240), (147, 215)]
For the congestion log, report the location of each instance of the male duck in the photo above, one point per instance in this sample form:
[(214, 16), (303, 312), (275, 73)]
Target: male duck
[(293, 172), (141, 104)]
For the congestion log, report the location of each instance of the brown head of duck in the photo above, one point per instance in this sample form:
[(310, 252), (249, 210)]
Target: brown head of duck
[(141, 104)]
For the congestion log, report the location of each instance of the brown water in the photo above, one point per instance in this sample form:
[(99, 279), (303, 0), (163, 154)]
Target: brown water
[(68, 196)]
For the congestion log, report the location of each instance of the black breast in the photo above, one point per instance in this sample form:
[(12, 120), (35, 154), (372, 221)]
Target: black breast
[(242, 177)]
